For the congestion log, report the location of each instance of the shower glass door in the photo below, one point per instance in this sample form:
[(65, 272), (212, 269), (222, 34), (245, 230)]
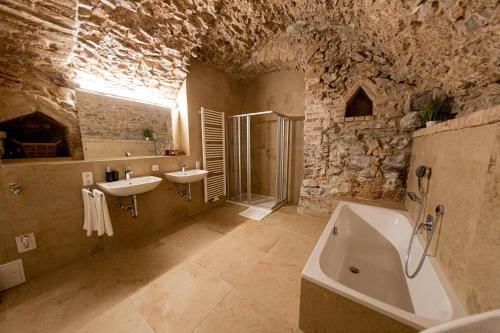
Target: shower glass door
[(258, 145), (239, 159), (282, 146)]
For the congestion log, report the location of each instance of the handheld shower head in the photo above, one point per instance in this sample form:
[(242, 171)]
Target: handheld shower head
[(421, 172)]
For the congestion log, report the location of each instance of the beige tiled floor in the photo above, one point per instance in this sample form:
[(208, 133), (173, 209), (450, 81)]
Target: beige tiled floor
[(215, 272)]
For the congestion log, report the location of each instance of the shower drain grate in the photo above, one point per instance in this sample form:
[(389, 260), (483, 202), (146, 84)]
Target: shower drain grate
[(354, 269)]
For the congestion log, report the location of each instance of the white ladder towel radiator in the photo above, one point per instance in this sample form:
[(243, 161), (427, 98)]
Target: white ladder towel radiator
[(213, 137)]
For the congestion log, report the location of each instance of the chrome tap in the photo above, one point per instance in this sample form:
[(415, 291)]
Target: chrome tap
[(427, 225), (128, 172), (183, 167)]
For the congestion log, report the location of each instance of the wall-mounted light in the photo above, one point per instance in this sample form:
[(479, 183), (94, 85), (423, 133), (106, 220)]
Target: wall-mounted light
[(90, 82)]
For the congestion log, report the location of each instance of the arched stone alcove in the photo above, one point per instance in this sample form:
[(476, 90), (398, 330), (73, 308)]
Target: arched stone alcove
[(34, 135), (359, 105), (361, 101)]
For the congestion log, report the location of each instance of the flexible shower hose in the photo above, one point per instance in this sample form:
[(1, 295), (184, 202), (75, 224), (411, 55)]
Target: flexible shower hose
[(429, 239)]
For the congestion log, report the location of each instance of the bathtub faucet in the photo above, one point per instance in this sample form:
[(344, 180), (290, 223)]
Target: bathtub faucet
[(422, 172), (427, 225)]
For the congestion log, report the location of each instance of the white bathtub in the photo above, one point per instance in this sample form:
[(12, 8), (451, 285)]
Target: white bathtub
[(374, 241)]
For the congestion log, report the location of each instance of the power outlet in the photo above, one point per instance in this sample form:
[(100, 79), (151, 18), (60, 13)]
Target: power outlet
[(26, 242), (11, 274), (155, 167), (88, 178)]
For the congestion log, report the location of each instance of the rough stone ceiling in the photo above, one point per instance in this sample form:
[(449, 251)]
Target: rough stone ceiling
[(148, 43), (445, 46), (422, 26), (243, 26), (152, 42)]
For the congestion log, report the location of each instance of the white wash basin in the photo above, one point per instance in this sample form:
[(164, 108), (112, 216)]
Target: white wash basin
[(487, 322), (133, 186), (186, 177)]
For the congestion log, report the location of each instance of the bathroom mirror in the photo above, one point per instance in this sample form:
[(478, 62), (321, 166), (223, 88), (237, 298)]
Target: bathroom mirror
[(117, 127)]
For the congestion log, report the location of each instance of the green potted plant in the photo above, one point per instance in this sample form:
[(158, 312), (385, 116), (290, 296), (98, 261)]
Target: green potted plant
[(148, 134), (438, 109)]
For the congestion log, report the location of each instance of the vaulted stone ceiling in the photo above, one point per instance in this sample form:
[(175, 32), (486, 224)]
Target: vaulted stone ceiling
[(243, 26), (447, 46), (154, 41), (399, 49), (151, 42), (147, 43)]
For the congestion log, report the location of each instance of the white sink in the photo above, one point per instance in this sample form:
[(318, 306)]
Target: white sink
[(186, 177), (133, 186), (487, 322)]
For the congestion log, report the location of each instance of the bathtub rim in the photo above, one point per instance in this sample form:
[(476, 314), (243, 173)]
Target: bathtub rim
[(314, 273)]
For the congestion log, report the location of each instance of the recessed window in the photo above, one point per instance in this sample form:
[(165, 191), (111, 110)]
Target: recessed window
[(359, 105)]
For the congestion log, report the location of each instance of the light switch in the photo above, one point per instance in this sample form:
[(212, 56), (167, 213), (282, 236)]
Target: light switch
[(88, 178), (155, 167)]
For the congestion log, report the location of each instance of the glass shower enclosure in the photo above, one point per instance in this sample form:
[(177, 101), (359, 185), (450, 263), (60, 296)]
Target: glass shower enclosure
[(258, 151)]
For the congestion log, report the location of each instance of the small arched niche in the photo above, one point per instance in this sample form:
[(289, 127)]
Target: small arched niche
[(359, 104), (34, 135)]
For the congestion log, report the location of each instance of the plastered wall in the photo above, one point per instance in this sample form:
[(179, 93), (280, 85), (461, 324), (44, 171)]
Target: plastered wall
[(463, 155), (51, 206), (281, 92)]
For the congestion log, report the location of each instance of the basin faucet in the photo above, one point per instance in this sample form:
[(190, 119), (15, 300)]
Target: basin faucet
[(183, 167), (128, 172)]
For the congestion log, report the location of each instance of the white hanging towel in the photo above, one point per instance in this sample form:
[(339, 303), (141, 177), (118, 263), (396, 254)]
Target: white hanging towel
[(103, 220), (88, 210)]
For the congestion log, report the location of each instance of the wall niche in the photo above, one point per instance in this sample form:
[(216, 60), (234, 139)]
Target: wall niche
[(35, 135), (359, 104)]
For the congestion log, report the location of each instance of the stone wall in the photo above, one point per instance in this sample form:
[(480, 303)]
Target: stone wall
[(44, 44), (368, 157), (148, 44), (447, 45), (36, 40), (400, 52), (113, 119)]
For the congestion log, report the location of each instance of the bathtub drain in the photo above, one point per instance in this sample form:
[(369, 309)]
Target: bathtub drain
[(354, 270)]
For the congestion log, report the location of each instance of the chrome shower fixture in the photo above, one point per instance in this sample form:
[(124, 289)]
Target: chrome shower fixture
[(413, 197), (439, 210), (422, 171), (429, 224)]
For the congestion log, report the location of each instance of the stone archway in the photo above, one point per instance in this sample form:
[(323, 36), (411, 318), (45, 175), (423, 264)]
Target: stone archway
[(21, 104), (46, 137)]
